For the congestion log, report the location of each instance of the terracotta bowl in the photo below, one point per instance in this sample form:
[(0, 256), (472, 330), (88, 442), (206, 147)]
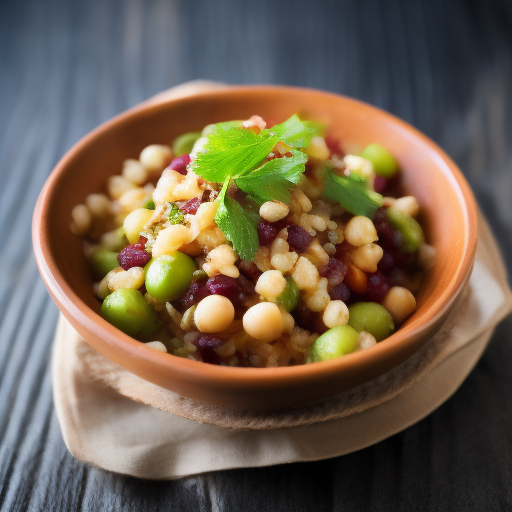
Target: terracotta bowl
[(449, 217)]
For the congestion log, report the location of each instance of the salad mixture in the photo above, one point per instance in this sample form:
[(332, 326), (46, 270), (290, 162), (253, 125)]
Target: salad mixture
[(256, 244)]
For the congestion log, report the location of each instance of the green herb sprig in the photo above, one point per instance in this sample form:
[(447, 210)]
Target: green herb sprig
[(271, 181), (238, 227), (351, 193), (235, 154)]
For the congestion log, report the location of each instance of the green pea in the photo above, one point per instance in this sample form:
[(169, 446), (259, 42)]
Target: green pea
[(290, 297), (127, 310), (146, 267), (168, 277), (409, 228), (371, 317), (383, 162), (336, 342), (103, 261), (183, 144)]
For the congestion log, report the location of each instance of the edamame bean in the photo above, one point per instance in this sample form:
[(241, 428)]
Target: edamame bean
[(168, 277), (336, 342), (183, 144), (127, 310), (290, 297), (383, 162), (409, 228), (371, 317), (103, 261)]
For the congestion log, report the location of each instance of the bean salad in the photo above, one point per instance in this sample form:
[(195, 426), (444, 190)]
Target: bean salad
[(256, 244)]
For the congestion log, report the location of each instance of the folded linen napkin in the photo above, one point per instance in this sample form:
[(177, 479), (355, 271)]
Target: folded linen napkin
[(117, 421)]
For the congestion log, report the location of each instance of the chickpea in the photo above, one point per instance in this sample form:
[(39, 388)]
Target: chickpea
[(367, 257), (264, 322), (366, 340), (214, 314), (117, 186), (170, 239), (271, 284), (400, 303), (81, 220), (132, 199), (134, 171), (360, 231), (156, 345), (134, 223), (274, 211), (426, 256), (98, 205), (336, 313), (155, 157), (318, 148), (198, 147), (408, 205)]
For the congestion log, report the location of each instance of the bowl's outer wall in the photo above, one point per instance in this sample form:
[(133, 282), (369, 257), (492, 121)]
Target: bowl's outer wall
[(448, 215)]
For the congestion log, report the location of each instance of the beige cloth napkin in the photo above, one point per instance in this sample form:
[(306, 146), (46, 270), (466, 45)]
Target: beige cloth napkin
[(117, 421)]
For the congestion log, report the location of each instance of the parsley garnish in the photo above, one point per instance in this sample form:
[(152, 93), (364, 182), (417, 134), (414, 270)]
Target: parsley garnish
[(234, 153), (351, 194), (271, 181), (237, 225), (297, 133)]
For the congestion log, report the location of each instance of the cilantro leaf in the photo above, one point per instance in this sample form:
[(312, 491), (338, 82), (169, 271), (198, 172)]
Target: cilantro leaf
[(297, 133), (351, 194), (272, 181), (238, 227), (232, 151)]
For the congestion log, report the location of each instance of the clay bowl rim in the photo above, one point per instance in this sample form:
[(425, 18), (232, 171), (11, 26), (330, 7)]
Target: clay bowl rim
[(68, 301)]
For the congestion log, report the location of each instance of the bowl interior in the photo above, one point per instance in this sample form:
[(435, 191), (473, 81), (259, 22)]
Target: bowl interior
[(448, 210)]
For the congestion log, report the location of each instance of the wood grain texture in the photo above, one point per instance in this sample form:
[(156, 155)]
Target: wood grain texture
[(446, 67)]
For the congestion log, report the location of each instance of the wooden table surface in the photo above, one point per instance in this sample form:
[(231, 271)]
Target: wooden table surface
[(66, 66)]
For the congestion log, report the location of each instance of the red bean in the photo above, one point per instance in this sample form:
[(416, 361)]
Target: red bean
[(191, 205), (340, 292), (334, 146), (298, 238), (376, 288), (334, 271), (179, 164), (267, 233), (206, 346), (379, 184), (133, 256)]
